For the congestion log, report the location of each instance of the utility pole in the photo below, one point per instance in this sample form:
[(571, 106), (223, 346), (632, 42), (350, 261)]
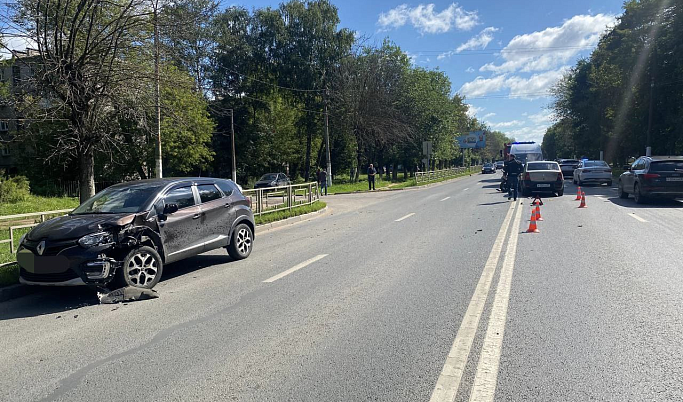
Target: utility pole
[(232, 142), (157, 94), (327, 143)]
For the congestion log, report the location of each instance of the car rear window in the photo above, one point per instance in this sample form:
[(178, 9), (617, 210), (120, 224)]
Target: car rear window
[(542, 166), (667, 166), (595, 164), (208, 192)]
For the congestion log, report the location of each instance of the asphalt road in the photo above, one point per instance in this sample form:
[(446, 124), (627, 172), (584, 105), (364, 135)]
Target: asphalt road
[(412, 295)]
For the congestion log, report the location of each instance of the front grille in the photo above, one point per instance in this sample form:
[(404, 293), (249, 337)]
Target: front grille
[(51, 247), (59, 277)]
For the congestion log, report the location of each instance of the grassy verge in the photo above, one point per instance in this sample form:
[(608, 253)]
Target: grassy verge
[(280, 215), (362, 186), (38, 204), (9, 275)]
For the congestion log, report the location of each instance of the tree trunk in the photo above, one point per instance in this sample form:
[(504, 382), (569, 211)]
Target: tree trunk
[(394, 171), (87, 174)]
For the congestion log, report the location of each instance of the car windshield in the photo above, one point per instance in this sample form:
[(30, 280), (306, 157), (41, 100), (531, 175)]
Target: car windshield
[(569, 162), (118, 199), (542, 166), (269, 177), (668, 166), (595, 164), (488, 165)]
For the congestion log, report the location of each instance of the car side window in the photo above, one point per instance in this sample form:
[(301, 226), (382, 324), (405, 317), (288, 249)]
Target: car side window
[(182, 196), (226, 188), (635, 165), (208, 192)]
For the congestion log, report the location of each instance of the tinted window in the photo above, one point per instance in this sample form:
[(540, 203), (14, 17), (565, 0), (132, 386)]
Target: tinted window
[(542, 166), (119, 199), (208, 192), (226, 187), (595, 164), (269, 177), (182, 196), (669, 166)]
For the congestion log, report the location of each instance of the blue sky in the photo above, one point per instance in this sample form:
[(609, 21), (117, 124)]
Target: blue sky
[(502, 55)]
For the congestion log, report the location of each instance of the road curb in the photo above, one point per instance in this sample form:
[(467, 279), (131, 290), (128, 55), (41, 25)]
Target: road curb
[(290, 221), (404, 188), (15, 291)]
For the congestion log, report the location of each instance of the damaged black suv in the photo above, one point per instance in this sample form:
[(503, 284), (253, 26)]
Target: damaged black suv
[(128, 232)]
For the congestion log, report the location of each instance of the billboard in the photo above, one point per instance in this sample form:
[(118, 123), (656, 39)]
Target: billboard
[(475, 139)]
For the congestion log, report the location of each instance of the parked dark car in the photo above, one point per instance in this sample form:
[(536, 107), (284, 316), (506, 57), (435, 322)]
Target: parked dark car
[(653, 177), (488, 168), (128, 232), (272, 180), (541, 177), (567, 166)]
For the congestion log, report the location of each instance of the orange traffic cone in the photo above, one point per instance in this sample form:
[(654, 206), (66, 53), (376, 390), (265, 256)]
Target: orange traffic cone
[(578, 194), (538, 213), (583, 200), (532, 224)]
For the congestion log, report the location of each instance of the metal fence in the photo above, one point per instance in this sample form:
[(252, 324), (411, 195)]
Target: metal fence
[(443, 173), (67, 188), (272, 199), (24, 221)]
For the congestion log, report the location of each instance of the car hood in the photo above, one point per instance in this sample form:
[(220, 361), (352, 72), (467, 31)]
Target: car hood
[(75, 226)]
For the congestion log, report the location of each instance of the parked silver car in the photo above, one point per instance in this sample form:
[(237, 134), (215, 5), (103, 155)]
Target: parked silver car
[(593, 172)]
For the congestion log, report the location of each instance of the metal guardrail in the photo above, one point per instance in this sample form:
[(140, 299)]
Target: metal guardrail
[(273, 199), (443, 173), (24, 218)]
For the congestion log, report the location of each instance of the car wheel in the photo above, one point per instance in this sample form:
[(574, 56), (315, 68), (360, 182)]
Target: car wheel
[(637, 195), (560, 193), (241, 243), (142, 268), (622, 194)]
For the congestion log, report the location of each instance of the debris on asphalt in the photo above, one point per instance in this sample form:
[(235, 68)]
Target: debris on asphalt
[(128, 293), (76, 316)]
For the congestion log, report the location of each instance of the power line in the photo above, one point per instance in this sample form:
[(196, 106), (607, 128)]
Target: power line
[(274, 85)]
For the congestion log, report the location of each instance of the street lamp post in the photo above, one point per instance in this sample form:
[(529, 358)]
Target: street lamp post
[(232, 145)]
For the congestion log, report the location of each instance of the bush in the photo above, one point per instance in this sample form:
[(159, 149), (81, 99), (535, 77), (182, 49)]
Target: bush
[(14, 189)]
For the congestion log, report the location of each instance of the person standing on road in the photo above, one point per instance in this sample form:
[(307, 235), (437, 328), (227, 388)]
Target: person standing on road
[(514, 169), (371, 177)]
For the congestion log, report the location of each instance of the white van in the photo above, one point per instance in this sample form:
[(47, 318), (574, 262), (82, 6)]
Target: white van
[(526, 151)]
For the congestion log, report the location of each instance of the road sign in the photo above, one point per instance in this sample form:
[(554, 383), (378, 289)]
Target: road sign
[(475, 139), (427, 148)]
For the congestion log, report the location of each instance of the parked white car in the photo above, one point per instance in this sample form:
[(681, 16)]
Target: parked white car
[(593, 172)]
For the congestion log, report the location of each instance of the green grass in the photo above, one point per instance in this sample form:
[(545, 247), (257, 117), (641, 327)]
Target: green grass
[(296, 211), (38, 204), (9, 275), (362, 185)]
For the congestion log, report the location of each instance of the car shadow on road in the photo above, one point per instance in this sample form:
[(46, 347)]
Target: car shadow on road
[(490, 180), (58, 300), (45, 301), (610, 194)]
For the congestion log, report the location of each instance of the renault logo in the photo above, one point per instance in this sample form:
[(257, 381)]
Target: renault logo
[(41, 247)]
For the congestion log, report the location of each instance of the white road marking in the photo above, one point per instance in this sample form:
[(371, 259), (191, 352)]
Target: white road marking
[(445, 198), (484, 386), (449, 380), (637, 218), (405, 217), (295, 268), (466, 189)]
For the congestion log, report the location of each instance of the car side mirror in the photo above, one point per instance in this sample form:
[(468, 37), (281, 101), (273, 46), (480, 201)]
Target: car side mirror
[(170, 209)]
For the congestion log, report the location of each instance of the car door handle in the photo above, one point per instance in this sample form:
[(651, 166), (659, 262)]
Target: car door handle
[(227, 205), (197, 216)]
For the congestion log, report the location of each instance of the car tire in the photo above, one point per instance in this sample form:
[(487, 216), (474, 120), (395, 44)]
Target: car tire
[(560, 193), (640, 199), (622, 194), (142, 268), (242, 242)]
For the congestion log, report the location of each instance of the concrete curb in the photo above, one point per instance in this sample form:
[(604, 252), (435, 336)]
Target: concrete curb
[(404, 188), (290, 221), (15, 291)]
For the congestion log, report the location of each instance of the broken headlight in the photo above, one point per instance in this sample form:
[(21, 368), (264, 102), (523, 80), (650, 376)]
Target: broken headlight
[(96, 239)]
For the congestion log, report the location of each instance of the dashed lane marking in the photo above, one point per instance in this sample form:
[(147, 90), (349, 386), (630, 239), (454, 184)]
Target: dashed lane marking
[(638, 218), (445, 198), (295, 268), (405, 217)]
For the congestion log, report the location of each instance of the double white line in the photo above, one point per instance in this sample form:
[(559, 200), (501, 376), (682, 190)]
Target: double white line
[(484, 385)]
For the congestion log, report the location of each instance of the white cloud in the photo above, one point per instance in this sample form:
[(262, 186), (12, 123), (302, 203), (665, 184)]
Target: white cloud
[(529, 133), (469, 70), (507, 124), (426, 20), (545, 116), (536, 86), (482, 86), (479, 41), (473, 110), (487, 115), (552, 47)]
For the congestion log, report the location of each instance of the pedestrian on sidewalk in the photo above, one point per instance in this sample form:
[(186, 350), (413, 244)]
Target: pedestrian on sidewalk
[(371, 177), (322, 180)]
